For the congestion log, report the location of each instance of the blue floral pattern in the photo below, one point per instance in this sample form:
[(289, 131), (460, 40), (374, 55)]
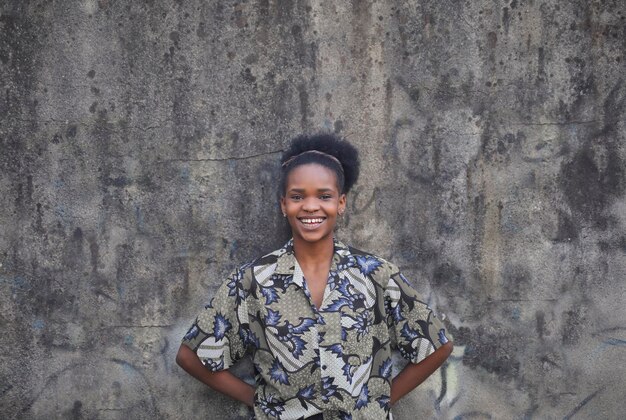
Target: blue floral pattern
[(386, 368), (221, 326), (278, 374), (271, 406), (364, 398)]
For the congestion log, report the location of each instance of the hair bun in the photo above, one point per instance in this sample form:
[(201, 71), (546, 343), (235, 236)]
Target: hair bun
[(329, 144)]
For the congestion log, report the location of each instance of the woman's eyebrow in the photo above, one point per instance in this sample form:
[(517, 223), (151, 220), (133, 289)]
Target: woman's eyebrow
[(301, 190)]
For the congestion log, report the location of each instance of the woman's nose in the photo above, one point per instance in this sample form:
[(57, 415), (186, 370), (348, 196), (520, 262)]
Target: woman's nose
[(310, 205)]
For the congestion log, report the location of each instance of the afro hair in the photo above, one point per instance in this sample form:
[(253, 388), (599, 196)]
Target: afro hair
[(346, 165)]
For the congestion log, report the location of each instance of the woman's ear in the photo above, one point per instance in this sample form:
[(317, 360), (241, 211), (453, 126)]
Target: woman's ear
[(282, 206), (342, 203)]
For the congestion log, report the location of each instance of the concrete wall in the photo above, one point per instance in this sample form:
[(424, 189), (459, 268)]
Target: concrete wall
[(139, 153)]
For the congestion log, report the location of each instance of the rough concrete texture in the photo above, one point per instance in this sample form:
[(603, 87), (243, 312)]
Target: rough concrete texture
[(140, 144)]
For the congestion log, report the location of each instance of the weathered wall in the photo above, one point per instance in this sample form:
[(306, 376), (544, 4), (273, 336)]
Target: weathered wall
[(140, 144)]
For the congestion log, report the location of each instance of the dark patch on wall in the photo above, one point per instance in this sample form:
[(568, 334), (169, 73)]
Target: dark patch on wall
[(616, 244), (281, 102), (613, 109), (506, 19), (413, 249), (540, 318), (499, 149), (304, 106), (94, 253), (76, 413), (567, 231), (20, 41), (74, 250), (516, 281), (583, 87), (494, 349), (71, 131), (448, 280), (492, 42), (477, 211), (574, 325), (248, 77), (541, 63), (589, 189)]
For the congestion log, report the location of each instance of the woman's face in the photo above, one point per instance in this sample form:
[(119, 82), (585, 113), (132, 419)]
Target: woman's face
[(312, 202)]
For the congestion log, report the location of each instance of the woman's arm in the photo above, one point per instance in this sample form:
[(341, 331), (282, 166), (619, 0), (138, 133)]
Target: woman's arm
[(414, 374), (222, 381)]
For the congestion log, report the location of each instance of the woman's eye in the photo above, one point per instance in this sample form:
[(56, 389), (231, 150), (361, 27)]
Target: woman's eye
[(296, 197), (326, 197)]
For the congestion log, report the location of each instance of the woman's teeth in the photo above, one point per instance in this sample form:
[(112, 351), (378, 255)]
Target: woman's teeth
[(312, 221)]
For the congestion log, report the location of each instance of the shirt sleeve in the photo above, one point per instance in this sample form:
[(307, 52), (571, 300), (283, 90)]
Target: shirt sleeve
[(219, 333), (414, 328)]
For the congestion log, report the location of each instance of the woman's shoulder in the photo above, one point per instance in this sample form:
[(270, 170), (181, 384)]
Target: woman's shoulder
[(258, 264)]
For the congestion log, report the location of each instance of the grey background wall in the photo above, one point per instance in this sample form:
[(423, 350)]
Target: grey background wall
[(140, 145)]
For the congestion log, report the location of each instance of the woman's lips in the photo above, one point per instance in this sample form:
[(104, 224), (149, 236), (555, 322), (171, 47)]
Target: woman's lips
[(311, 222)]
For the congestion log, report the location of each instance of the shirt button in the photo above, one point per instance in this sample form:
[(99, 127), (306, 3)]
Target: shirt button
[(324, 367)]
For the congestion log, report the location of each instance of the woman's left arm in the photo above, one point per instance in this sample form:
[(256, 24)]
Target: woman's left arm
[(414, 374)]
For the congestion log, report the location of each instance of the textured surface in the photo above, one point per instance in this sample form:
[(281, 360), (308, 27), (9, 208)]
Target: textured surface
[(140, 144)]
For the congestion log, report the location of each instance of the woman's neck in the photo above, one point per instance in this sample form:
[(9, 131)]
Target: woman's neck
[(314, 254)]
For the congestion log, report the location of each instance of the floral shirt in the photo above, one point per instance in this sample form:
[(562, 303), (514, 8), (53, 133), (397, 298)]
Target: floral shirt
[(335, 360)]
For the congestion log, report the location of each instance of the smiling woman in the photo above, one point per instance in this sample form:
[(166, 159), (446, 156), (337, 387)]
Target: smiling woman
[(320, 318)]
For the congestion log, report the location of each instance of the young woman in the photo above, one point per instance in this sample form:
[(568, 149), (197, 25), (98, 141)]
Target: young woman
[(319, 318)]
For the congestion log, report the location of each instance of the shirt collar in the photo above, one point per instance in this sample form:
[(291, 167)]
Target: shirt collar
[(286, 262)]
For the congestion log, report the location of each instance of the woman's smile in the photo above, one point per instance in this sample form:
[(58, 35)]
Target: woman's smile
[(312, 222)]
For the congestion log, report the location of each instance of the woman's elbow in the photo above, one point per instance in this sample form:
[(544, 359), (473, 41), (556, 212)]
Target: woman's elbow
[(182, 357)]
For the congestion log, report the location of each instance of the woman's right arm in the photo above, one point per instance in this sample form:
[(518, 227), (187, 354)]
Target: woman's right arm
[(222, 381)]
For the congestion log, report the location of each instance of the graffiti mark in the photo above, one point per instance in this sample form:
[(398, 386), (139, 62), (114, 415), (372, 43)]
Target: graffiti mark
[(6, 389), (444, 387), (473, 415), (18, 283), (165, 354), (357, 206), (139, 218), (615, 342), (607, 340), (607, 330), (583, 403), (234, 247)]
